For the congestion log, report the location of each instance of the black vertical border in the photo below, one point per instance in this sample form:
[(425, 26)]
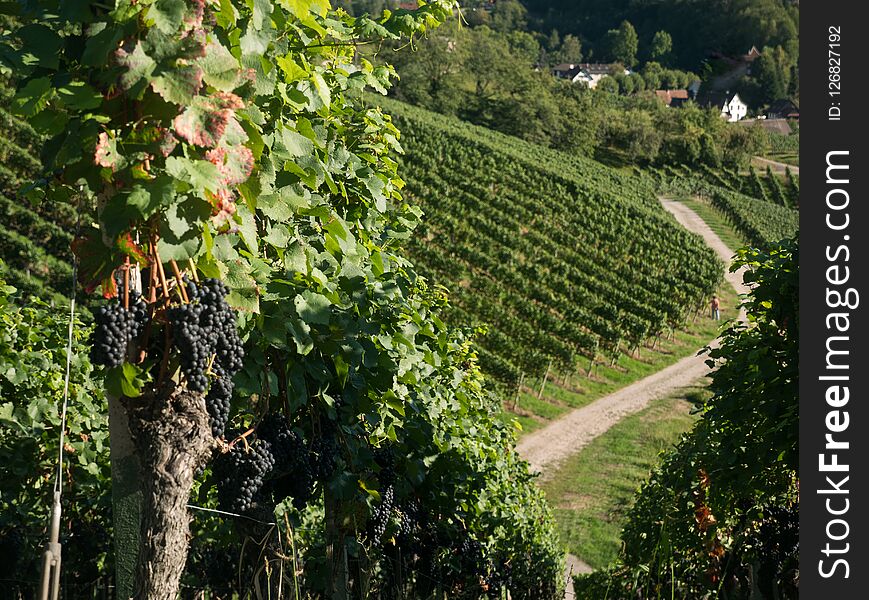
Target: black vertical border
[(819, 136)]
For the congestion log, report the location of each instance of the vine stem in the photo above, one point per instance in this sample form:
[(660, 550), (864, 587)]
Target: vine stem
[(127, 283), (192, 266), (180, 281), (161, 273), (242, 438)]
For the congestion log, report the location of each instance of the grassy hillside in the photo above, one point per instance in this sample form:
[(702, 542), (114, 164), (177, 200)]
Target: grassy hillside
[(565, 261)]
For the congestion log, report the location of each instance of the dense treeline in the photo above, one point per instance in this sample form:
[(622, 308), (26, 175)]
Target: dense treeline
[(697, 27), (483, 76)]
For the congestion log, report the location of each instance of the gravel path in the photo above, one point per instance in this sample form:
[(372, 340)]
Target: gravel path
[(778, 167), (546, 448)]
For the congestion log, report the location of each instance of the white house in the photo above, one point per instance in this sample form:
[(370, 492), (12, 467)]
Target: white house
[(589, 74), (731, 105), (734, 109)]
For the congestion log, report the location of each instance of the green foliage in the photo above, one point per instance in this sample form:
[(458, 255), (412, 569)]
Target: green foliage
[(697, 27), (776, 189), (759, 221), (570, 50), (662, 47), (236, 134), (33, 342), (713, 519), (622, 44)]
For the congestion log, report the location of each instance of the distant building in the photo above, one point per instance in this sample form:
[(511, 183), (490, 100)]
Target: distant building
[(731, 105), (783, 109), (587, 73), (752, 55), (674, 98)]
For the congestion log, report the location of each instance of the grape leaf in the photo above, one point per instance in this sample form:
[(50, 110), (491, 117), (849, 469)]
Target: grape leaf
[(168, 15), (220, 68), (180, 84), (40, 45), (200, 174), (139, 65), (33, 97), (125, 380), (79, 95), (313, 307)]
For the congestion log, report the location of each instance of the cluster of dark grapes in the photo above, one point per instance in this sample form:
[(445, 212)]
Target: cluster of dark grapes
[(205, 336), (498, 577), (324, 456), (290, 469), (214, 566), (218, 401), (384, 458), (115, 328), (382, 516), (205, 329), (241, 473), (411, 518), (294, 472)]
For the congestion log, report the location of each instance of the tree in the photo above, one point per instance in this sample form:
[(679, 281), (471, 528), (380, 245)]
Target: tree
[(773, 73), (508, 15), (235, 173), (570, 50), (623, 43), (608, 84), (652, 72), (553, 42), (661, 48), (433, 70), (524, 45)]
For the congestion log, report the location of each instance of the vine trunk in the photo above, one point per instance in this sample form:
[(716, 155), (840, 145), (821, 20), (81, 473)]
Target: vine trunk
[(171, 432)]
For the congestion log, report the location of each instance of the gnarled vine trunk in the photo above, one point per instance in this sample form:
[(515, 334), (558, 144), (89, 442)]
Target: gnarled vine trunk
[(171, 432)]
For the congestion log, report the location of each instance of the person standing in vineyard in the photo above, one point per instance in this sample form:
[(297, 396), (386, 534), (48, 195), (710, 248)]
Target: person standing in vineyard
[(715, 305)]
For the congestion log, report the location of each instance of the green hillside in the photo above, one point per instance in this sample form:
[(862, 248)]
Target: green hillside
[(563, 259), (35, 239)]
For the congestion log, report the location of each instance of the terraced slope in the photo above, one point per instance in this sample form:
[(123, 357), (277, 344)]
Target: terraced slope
[(35, 239), (565, 261)]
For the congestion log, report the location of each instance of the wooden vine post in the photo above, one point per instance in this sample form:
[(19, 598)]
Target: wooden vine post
[(126, 498)]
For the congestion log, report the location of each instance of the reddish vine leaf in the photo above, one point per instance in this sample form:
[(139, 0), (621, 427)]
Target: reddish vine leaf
[(96, 263), (130, 248), (234, 164), (208, 119), (106, 152)]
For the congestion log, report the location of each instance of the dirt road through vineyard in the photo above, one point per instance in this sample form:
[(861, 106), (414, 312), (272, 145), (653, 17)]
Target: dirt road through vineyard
[(549, 446), (546, 448)]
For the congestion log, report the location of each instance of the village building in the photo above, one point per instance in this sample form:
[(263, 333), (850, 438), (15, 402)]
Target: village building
[(731, 105), (673, 98), (783, 109), (588, 74)]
